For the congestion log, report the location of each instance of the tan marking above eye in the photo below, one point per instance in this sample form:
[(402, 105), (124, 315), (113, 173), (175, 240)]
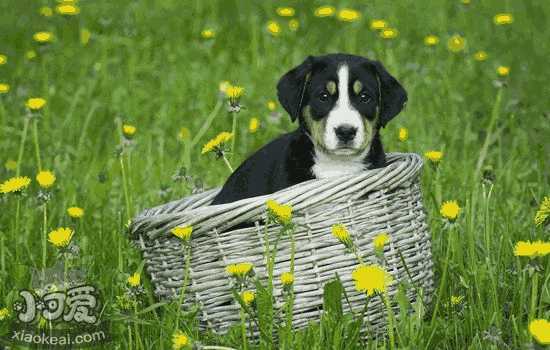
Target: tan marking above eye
[(357, 87), (331, 87)]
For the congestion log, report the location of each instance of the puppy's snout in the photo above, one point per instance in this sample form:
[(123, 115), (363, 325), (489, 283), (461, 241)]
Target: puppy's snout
[(345, 133)]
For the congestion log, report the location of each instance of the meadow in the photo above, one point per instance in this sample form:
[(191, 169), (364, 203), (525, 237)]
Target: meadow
[(127, 93)]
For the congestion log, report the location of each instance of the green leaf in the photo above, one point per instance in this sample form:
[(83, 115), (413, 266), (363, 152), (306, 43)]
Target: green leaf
[(332, 299)]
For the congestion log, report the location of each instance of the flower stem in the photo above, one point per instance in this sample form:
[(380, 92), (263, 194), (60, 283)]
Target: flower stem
[(234, 132), (22, 146), (442, 283), (16, 233), (125, 186), (243, 329), (185, 280), (207, 124), (36, 144), (534, 298), (389, 310), (227, 163), (44, 241)]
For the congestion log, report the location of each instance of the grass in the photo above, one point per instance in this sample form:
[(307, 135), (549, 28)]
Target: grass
[(147, 65)]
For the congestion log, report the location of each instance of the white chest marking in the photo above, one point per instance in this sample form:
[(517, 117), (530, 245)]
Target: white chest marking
[(330, 166)]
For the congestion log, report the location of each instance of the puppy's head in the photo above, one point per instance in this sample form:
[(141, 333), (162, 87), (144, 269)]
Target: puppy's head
[(341, 100)]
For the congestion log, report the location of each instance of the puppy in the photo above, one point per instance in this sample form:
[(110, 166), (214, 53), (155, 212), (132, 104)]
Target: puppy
[(341, 101)]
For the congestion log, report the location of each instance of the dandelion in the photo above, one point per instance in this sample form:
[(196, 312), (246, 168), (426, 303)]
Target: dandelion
[(271, 105), (67, 9), (46, 11), (285, 11), (35, 103), (85, 36), (456, 299), (540, 330), (179, 340), (4, 88), (434, 156), (431, 40), (503, 71), (403, 134), (75, 212), (456, 43), (240, 269), (341, 233), (273, 28), (223, 86), (134, 280), (293, 25), (4, 313), (253, 125), (15, 184), (380, 241), (45, 178), (208, 34), (543, 213), (377, 24), (184, 134), (43, 37), (348, 15), (10, 164), (324, 11), (234, 93), (480, 56), (30, 54), (61, 237), (503, 18), (450, 210), (3, 59), (532, 249), (248, 297), (280, 213), (287, 278), (217, 143), (371, 279), (182, 232), (128, 130), (465, 2), (389, 33)]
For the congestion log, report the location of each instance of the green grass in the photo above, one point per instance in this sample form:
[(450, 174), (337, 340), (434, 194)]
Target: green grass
[(147, 65)]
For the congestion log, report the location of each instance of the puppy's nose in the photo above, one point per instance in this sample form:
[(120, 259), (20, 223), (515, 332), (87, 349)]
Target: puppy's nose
[(345, 133)]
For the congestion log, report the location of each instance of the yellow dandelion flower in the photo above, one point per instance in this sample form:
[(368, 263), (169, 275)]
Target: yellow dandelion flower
[(43, 37), (217, 142), (30, 54), (4, 88), (45, 178), (456, 43), (431, 40), (380, 241), (403, 134), (271, 105), (4, 313), (503, 18), (184, 133), (324, 11), (434, 156), (389, 33), (128, 130), (503, 71), (35, 103), (234, 92), (285, 11), (540, 330), (341, 233), (273, 28), (287, 278), (281, 213), (480, 56), (293, 25), (377, 24), (182, 232), (544, 212), (134, 280), (371, 279), (67, 9), (85, 36), (75, 212), (208, 33), (253, 125), (248, 296), (456, 299), (10, 164), (532, 249), (46, 11), (465, 2), (348, 15), (3, 59), (60, 237), (15, 184), (450, 210), (240, 269), (179, 340), (223, 86)]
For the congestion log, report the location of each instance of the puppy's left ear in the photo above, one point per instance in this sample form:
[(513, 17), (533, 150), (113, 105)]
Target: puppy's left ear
[(392, 95), (291, 87)]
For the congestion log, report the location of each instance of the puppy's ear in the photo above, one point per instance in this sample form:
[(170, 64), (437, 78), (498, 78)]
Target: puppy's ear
[(392, 95), (291, 87)]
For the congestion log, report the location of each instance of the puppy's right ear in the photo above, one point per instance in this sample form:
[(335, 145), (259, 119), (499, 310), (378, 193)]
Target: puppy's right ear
[(292, 86)]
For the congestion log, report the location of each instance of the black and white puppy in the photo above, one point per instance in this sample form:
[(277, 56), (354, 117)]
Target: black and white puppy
[(341, 102)]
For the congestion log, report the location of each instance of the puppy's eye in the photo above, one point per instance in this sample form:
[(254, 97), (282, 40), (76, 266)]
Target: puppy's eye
[(364, 98), (323, 96)]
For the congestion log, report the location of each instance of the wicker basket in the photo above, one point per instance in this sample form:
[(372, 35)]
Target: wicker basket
[(380, 200)]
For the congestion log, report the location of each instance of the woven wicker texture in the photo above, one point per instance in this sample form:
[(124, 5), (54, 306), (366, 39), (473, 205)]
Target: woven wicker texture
[(381, 200)]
